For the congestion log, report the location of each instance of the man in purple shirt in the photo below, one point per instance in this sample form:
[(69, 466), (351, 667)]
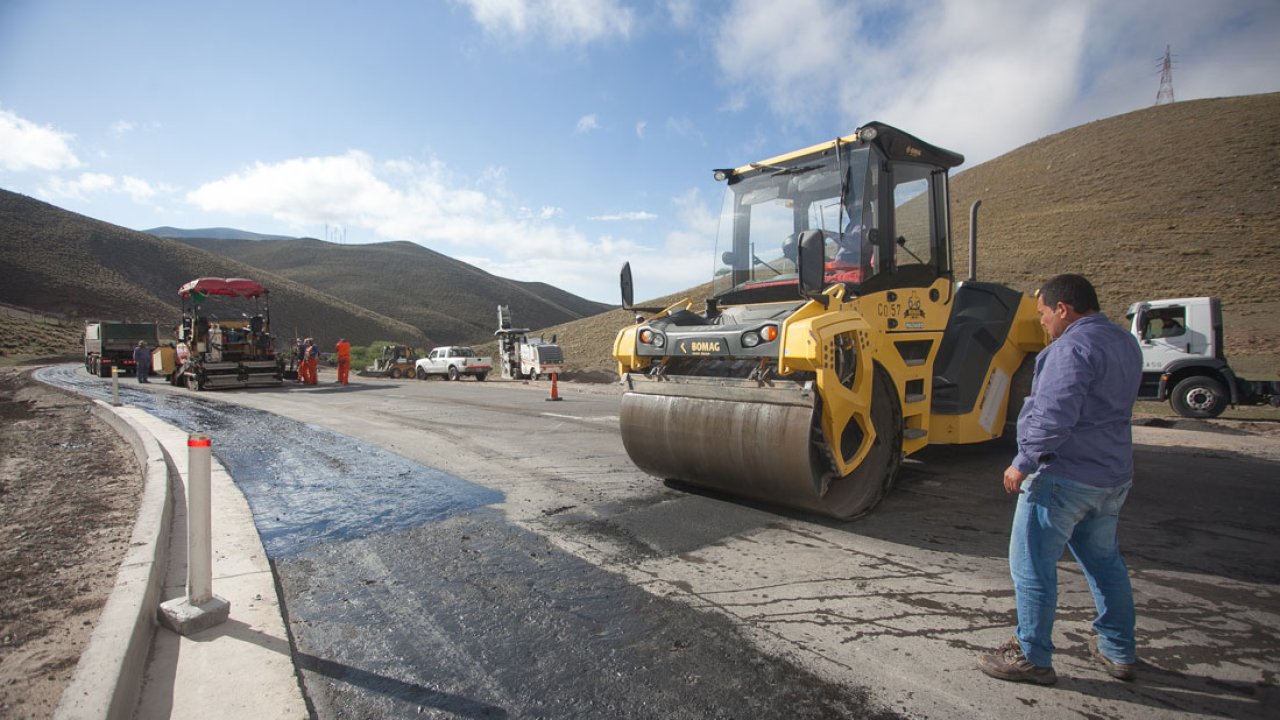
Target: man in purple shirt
[(1073, 471)]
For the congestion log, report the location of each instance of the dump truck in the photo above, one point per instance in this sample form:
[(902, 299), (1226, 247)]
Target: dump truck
[(224, 339), (109, 343), (395, 362), (524, 357), (1183, 360), (836, 339)]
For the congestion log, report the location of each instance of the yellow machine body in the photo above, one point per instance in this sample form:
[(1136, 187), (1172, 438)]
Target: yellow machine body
[(812, 400)]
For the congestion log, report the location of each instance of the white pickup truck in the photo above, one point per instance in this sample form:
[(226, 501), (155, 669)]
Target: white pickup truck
[(453, 362)]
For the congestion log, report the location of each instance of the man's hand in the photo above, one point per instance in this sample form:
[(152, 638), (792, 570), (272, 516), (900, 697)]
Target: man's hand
[(1013, 478)]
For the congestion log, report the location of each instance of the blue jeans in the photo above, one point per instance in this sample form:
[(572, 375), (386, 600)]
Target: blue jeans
[(1054, 512)]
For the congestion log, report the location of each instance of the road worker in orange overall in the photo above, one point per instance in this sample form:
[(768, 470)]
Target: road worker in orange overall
[(344, 360), (310, 361)]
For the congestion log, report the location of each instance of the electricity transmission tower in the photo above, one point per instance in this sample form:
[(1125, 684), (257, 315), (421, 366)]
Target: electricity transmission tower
[(1165, 95)]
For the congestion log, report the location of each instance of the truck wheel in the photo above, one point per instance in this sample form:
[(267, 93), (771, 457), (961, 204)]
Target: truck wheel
[(422, 374), (533, 375), (481, 376), (395, 373), (193, 384), (1199, 396), (453, 373)]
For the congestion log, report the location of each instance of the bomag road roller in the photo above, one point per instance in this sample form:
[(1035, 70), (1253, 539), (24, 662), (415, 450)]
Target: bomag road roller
[(835, 340)]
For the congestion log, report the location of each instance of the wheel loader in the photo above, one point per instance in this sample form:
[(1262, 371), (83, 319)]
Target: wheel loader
[(836, 339)]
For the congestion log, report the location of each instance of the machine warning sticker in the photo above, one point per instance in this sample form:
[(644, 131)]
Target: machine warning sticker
[(712, 346)]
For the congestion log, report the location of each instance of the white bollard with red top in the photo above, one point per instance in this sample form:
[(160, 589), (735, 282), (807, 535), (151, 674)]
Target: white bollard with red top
[(115, 386), (200, 609)]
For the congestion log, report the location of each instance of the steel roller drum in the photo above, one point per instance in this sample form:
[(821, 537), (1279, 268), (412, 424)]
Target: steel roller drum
[(739, 437)]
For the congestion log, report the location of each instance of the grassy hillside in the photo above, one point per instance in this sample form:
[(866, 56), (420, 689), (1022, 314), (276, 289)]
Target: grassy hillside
[(58, 263), (448, 300), (1171, 201)]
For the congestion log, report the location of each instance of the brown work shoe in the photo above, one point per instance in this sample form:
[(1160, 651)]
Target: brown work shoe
[(1008, 663), (1119, 671)]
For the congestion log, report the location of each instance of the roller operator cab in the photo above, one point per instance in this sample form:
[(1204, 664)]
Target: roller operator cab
[(835, 341)]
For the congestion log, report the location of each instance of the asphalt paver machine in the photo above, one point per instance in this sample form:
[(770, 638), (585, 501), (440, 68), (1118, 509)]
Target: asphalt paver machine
[(225, 338)]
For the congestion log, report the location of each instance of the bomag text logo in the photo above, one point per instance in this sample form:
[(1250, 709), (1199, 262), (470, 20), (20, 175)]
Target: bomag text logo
[(701, 347)]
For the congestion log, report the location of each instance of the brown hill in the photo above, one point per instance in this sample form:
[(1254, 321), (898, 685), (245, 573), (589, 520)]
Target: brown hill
[(69, 266), (1171, 201), (446, 299)]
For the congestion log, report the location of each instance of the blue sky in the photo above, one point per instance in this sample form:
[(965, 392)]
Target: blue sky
[(552, 139)]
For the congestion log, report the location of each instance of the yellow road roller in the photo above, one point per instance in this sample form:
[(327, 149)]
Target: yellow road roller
[(835, 340)]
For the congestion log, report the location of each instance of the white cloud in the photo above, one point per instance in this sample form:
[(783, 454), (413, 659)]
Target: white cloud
[(685, 258), (121, 127), (683, 13), (543, 213), (27, 146), (141, 190), (78, 189), (424, 203), (633, 215), (91, 184), (564, 22), (985, 76), (640, 127), (587, 123)]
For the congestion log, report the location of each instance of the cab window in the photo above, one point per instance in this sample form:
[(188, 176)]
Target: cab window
[(1165, 323), (913, 231)]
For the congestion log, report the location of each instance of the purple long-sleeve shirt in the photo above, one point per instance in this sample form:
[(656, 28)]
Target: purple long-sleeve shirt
[(1076, 422)]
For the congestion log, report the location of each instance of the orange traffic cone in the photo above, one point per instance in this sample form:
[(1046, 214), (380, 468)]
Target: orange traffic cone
[(555, 393)]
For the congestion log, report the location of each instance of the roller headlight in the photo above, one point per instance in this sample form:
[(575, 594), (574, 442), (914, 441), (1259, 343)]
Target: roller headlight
[(649, 337), (768, 333)]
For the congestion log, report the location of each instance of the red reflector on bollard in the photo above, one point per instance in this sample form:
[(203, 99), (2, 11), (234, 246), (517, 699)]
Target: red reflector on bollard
[(194, 442)]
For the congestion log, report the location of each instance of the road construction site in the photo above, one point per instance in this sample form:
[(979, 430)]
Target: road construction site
[(473, 550)]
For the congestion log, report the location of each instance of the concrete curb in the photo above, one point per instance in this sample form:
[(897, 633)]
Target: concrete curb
[(108, 677)]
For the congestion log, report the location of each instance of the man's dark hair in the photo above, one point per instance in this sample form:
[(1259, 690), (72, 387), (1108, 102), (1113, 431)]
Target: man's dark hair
[(1074, 290)]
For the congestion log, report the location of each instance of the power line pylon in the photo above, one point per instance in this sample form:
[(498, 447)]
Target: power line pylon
[(1165, 95)]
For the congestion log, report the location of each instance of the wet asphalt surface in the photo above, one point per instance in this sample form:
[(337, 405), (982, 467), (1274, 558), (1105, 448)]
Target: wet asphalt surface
[(407, 597)]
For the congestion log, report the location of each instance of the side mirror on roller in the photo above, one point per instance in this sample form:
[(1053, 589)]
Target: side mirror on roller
[(811, 261)]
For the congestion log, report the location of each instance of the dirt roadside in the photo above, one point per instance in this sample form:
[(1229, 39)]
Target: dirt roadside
[(69, 494)]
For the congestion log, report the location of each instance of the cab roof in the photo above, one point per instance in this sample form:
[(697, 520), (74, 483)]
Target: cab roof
[(233, 287), (894, 143)]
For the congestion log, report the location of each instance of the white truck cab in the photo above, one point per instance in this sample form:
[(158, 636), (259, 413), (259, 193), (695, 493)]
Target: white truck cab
[(1183, 360)]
